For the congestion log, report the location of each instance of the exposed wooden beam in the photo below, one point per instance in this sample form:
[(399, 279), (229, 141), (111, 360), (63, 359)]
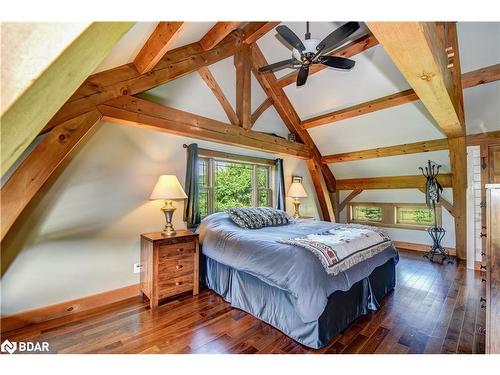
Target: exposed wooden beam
[(322, 193), (444, 202), (458, 148), (404, 149), (44, 94), (353, 194), (483, 138), (391, 182), (416, 49), (287, 113), (261, 109), (481, 76), (157, 45), (32, 173), (125, 80), (351, 49), (128, 110), (209, 79), (470, 79), (388, 101), (458, 162), (255, 30), (217, 33), (243, 86)]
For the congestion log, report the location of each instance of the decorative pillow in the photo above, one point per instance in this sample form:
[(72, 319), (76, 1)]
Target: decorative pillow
[(255, 218)]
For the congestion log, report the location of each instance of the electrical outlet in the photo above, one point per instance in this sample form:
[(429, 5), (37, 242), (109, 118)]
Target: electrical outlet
[(137, 268)]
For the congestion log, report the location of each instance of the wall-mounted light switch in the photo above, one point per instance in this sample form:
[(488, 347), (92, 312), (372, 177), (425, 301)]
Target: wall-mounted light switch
[(137, 268)]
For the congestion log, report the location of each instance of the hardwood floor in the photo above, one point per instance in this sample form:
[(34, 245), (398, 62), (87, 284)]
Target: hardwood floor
[(434, 309)]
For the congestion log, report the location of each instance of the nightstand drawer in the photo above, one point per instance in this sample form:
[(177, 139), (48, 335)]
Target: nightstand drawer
[(175, 285), (176, 250), (174, 267)]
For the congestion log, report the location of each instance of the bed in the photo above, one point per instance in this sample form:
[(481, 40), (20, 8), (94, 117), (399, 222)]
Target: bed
[(286, 285)]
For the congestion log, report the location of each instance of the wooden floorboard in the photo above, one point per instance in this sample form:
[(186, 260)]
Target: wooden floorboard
[(433, 309)]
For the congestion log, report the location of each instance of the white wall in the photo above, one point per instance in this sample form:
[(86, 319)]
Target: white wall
[(80, 236)]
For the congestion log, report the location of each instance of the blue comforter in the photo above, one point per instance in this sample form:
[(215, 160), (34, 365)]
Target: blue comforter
[(290, 268)]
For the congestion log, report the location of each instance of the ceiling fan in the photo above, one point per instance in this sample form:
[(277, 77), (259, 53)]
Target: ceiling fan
[(313, 51)]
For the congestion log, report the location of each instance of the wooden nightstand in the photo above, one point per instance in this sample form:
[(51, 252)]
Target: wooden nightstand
[(170, 265)]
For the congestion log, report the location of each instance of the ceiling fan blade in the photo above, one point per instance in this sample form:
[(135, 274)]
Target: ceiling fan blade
[(336, 38), (337, 62), (302, 76), (278, 65), (290, 37)]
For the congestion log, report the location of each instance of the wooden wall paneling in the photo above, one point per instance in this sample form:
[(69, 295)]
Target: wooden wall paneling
[(217, 33), (25, 117), (243, 86), (417, 51), (261, 109), (253, 31), (404, 149), (209, 79), (351, 49), (391, 182), (494, 164), (32, 173), (322, 193), (157, 45), (458, 160), (128, 110), (125, 80)]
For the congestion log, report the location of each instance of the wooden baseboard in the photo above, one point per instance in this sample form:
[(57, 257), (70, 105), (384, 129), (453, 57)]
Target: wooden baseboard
[(42, 314), (420, 247)]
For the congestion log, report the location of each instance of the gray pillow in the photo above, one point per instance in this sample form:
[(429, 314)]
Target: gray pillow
[(255, 218)]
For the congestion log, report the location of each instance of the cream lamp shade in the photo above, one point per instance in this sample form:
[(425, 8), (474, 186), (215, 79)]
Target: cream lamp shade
[(297, 190), (168, 187)]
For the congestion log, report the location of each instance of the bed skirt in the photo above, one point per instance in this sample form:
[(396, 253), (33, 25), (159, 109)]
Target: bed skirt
[(273, 305)]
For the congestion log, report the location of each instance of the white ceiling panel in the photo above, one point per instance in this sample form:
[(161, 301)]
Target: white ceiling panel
[(224, 73), (191, 32), (393, 126), (270, 122), (128, 46), (479, 44), (188, 93), (390, 166), (482, 108), (373, 76)]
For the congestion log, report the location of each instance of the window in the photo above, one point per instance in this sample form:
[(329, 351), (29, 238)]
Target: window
[(367, 214), (397, 215), (226, 183), (414, 215)]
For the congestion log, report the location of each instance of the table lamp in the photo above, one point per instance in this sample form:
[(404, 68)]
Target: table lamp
[(296, 191), (168, 188)]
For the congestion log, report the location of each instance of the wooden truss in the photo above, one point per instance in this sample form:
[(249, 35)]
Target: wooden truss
[(417, 49)]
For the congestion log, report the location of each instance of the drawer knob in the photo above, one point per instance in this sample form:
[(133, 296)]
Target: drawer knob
[(482, 299), (483, 253), (483, 267), (483, 280), (178, 283), (180, 250), (178, 267), (483, 306)]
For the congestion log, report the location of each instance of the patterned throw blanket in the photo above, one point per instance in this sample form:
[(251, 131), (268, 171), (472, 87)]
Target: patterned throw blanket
[(344, 245)]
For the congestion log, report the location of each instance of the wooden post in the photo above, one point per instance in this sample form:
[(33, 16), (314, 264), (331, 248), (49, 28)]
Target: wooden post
[(243, 86), (324, 199), (458, 159)]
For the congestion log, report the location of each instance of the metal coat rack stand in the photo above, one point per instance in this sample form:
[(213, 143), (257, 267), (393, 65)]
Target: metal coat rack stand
[(432, 193)]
